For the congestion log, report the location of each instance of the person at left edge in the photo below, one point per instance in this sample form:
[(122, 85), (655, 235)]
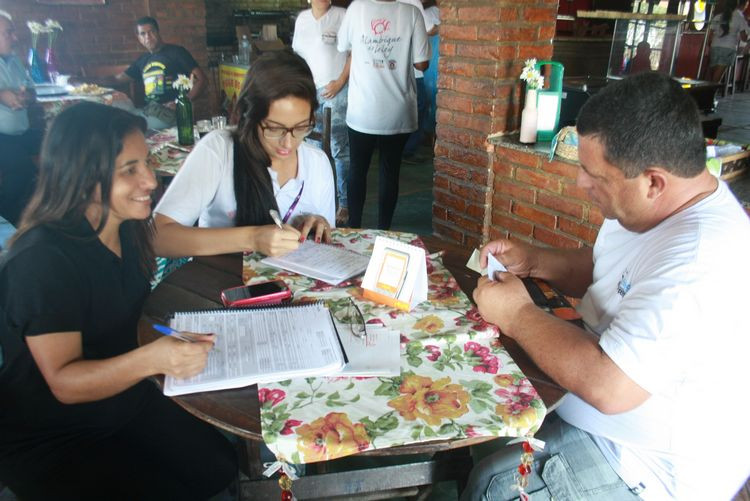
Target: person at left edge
[(78, 418), (158, 69), (18, 142)]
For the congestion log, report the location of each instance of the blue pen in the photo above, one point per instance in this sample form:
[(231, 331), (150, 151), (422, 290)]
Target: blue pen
[(168, 331)]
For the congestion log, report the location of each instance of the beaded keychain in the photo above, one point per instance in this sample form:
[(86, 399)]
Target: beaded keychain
[(524, 468), (286, 487), (287, 475)]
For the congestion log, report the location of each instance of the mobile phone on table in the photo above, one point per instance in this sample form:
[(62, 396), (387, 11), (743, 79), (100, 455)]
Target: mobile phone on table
[(262, 293)]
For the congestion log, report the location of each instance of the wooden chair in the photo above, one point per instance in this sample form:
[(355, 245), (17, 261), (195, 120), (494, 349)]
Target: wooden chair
[(134, 90), (730, 78), (325, 136)]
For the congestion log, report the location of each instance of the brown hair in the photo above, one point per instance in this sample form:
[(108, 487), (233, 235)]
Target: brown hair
[(78, 155), (274, 76)]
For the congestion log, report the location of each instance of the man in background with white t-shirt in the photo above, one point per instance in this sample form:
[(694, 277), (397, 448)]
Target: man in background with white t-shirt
[(315, 33), (387, 40), (658, 402), (415, 139)]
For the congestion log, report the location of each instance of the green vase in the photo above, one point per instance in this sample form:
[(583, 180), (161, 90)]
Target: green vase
[(184, 116)]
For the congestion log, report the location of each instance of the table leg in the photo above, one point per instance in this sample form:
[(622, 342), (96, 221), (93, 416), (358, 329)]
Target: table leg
[(250, 461)]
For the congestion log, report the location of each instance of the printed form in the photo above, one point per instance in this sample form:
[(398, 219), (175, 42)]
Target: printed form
[(324, 262), (262, 345)]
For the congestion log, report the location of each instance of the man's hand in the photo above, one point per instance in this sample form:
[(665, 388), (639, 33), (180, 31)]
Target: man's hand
[(517, 257), (500, 301), (14, 99), (333, 88)]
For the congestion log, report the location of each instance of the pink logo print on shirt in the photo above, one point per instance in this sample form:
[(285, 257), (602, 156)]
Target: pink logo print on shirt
[(379, 26)]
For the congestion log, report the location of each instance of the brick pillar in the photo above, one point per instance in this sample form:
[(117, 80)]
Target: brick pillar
[(482, 49)]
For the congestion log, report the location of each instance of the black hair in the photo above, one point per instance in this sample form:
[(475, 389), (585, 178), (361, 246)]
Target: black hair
[(142, 21), (274, 75), (78, 155), (646, 120)]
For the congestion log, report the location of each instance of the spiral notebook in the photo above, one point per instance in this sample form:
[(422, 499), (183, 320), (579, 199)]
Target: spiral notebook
[(261, 346)]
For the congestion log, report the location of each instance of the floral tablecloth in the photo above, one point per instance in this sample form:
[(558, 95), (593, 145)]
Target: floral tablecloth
[(456, 381), (53, 105), (165, 155)]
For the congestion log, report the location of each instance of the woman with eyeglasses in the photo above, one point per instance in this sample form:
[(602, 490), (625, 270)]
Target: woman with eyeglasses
[(232, 179)]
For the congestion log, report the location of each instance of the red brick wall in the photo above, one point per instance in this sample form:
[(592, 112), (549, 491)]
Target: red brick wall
[(537, 201), (483, 192), (105, 34)]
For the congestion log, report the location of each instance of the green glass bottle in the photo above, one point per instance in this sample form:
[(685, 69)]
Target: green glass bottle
[(184, 112)]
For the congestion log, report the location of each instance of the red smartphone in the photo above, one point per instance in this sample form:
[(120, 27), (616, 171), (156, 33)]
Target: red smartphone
[(262, 293)]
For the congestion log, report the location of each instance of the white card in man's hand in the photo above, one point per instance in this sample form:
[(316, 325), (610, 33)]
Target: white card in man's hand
[(473, 263), (494, 265)]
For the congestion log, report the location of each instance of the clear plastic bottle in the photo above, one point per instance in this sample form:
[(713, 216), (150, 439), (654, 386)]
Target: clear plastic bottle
[(244, 50)]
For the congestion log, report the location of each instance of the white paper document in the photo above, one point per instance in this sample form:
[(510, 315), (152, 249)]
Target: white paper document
[(377, 354), (260, 346), (493, 265), (324, 262), (473, 262)]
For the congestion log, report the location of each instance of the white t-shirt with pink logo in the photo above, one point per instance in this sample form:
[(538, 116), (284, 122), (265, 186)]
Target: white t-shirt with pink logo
[(385, 40), (203, 189)]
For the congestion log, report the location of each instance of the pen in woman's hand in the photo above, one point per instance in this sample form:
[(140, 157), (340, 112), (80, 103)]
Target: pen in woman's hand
[(183, 336), (276, 218)]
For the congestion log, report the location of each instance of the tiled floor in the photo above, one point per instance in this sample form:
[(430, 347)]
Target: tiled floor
[(414, 209)]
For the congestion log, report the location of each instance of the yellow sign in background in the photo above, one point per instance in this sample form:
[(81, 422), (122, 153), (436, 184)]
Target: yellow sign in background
[(231, 77)]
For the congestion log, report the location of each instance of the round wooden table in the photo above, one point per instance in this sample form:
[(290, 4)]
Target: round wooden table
[(197, 285)]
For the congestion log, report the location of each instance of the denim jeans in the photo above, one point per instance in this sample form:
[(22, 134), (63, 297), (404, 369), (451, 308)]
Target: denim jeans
[(430, 85), (570, 467), (158, 116), (339, 139), (412, 145)]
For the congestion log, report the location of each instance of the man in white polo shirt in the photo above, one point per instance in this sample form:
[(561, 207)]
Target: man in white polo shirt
[(658, 405)]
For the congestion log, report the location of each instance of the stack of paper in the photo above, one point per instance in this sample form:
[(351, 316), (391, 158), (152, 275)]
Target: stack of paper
[(377, 354), (261, 346), (324, 262)]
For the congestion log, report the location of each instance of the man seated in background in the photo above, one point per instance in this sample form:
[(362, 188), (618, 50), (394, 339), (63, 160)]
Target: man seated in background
[(157, 70), (657, 405), (18, 142)]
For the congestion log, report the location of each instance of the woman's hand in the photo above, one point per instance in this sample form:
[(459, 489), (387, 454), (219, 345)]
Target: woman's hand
[(318, 225), (273, 241), (181, 359)]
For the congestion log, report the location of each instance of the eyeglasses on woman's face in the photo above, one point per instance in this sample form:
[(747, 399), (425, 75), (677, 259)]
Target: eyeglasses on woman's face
[(279, 132)]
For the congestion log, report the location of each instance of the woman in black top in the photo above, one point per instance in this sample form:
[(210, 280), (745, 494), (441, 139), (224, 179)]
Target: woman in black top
[(78, 420)]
